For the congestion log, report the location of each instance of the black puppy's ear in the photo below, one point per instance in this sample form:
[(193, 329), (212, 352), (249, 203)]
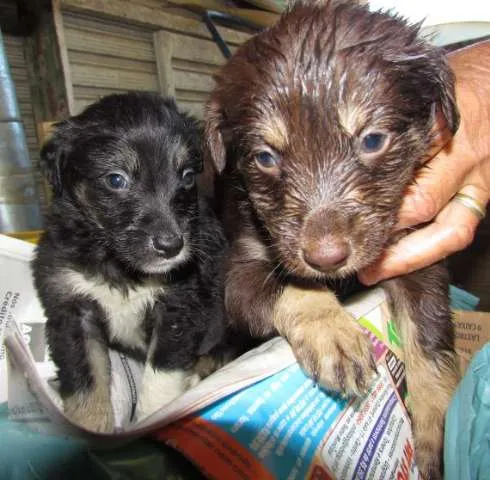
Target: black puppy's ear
[(214, 145), (53, 158)]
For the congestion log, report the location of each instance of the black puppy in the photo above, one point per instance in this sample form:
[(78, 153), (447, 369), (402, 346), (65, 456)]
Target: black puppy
[(131, 256)]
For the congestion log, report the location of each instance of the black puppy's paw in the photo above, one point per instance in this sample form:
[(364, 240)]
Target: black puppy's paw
[(92, 411)]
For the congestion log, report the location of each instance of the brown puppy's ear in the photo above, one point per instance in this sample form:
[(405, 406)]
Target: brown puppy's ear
[(292, 3), (447, 99), (214, 146), (445, 114), (441, 132)]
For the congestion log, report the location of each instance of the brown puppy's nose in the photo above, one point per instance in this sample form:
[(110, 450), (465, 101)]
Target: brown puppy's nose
[(329, 253)]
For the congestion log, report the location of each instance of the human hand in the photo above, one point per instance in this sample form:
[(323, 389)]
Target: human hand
[(463, 166)]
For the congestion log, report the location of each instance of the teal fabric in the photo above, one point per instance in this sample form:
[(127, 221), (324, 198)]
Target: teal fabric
[(462, 300), (467, 434), (28, 455)]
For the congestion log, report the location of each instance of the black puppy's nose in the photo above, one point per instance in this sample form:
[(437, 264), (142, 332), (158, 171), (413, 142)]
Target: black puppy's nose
[(168, 246)]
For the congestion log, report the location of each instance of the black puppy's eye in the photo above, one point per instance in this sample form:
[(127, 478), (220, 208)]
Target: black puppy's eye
[(116, 181), (374, 142), (268, 162), (188, 178)]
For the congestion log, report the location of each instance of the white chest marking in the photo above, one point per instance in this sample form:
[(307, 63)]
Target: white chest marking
[(160, 387), (125, 313)]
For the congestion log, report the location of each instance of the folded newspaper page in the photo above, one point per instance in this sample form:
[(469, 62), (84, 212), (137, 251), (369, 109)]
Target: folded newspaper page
[(259, 417), (285, 427)]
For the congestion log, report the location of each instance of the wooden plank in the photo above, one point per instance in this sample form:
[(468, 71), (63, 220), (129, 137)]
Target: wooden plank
[(23, 90), (30, 132), (28, 122), (94, 93), (16, 57), (193, 81), (63, 53), (49, 92), (198, 50), (191, 96), (19, 73), (271, 5), (196, 67), (103, 43), (82, 58), (164, 49), (14, 47), (81, 104), (189, 99), (196, 109), (114, 27), (13, 41), (152, 18), (103, 77)]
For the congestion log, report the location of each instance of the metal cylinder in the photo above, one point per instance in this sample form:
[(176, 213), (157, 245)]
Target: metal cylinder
[(19, 202)]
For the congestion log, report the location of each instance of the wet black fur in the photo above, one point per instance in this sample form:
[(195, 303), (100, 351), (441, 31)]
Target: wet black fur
[(104, 234)]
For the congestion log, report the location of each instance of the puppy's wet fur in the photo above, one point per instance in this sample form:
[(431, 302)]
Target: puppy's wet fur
[(131, 257), (319, 124)]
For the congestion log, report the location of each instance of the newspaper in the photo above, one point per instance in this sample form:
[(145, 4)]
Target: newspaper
[(258, 417), (285, 427)]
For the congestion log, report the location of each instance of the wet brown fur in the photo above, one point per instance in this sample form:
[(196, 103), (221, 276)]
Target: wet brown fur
[(308, 90)]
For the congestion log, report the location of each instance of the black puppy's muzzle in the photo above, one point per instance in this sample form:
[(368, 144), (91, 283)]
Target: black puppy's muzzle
[(167, 245)]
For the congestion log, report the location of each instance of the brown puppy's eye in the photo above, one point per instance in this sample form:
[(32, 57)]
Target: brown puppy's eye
[(374, 143), (268, 162)]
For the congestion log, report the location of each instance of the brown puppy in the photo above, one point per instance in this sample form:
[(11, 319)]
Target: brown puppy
[(319, 124)]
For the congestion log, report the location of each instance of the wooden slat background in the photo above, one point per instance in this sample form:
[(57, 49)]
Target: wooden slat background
[(186, 66), (110, 49), (109, 57), (106, 57), (14, 47)]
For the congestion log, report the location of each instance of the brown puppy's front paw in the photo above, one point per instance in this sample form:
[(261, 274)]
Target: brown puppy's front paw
[(339, 357)]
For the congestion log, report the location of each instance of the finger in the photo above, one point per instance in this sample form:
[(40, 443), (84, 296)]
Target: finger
[(453, 230), (479, 195), (479, 177), (435, 185)]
